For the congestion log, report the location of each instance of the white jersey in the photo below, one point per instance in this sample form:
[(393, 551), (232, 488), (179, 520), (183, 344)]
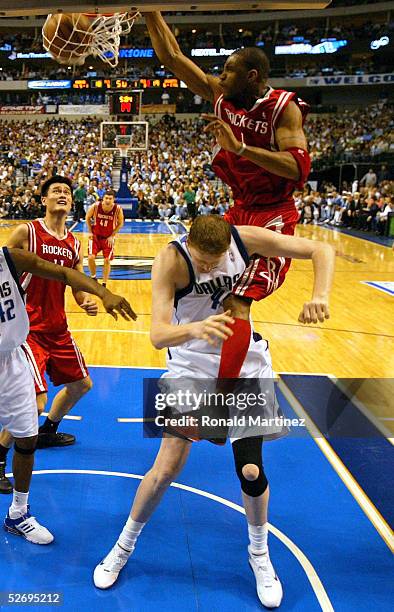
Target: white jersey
[(192, 361), (202, 298), (14, 322)]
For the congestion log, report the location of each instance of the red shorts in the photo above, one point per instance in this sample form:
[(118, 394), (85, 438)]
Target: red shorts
[(264, 274), (56, 354), (101, 244)]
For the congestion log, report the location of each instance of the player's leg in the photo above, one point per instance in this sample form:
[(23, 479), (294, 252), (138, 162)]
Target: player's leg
[(92, 266), (66, 366), (62, 403), (6, 441), (36, 358), (235, 348), (169, 462), (108, 252), (106, 270), (261, 278), (255, 493), (20, 417), (92, 254)]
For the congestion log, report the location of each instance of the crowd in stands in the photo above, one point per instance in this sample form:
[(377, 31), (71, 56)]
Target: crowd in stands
[(355, 136), (367, 208), (234, 35), (174, 180)]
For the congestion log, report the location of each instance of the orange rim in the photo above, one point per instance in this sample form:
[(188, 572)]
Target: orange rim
[(94, 15)]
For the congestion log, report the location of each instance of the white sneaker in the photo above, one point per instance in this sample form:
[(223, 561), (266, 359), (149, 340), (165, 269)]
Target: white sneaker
[(27, 526), (269, 588), (107, 572)]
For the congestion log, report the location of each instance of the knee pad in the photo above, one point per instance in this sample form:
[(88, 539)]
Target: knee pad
[(248, 451), (24, 451)]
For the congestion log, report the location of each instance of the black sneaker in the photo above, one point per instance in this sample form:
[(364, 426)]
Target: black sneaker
[(47, 440), (5, 483)]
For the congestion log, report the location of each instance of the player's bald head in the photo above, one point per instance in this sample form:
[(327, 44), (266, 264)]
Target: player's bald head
[(253, 58)]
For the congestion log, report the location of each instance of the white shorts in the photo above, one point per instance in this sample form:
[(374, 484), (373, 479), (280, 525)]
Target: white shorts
[(18, 406), (186, 368)]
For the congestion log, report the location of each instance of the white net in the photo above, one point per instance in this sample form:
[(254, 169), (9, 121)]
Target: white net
[(101, 39)]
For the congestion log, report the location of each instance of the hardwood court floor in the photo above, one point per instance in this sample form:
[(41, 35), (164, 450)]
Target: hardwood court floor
[(356, 342)]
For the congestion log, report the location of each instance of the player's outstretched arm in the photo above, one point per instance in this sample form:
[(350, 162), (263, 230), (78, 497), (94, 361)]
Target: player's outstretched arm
[(169, 53), (165, 272), (25, 261), (272, 244)]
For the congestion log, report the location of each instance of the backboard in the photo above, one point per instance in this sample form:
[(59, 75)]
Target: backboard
[(114, 135), (44, 7)]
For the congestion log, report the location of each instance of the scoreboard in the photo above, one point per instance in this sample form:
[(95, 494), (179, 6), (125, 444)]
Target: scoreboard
[(119, 83), (125, 103)]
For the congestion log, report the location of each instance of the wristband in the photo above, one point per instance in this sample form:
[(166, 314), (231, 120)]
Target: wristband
[(242, 149)]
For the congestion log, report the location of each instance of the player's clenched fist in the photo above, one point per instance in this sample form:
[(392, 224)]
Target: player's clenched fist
[(314, 311), (213, 328)]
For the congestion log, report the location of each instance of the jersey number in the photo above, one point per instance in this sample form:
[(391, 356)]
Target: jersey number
[(216, 298), (7, 311)]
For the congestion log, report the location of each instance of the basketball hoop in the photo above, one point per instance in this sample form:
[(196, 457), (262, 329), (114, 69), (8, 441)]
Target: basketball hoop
[(104, 37)]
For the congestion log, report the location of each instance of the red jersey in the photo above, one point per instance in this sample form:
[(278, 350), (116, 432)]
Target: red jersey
[(104, 223), (252, 185), (45, 298)]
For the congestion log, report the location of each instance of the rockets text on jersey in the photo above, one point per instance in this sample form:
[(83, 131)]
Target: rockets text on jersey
[(252, 185), (45, 298)]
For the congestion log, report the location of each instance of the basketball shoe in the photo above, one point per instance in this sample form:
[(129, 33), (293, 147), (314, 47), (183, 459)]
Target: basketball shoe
[(107, 572), (269, 588), (27, 526), (5, 483), (49, 439)]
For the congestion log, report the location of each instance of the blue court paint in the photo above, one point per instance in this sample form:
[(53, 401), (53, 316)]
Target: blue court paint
[(192, 554), (366, 453), (132, 226)]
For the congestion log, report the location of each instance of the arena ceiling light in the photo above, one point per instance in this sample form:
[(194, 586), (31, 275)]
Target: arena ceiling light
[(44, 7)]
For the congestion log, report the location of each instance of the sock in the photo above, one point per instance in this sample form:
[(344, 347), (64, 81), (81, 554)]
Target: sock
[(258, 535), (49, 426), (129, 535), (234, 349), (19, 504), (3, 454), (94, 277)]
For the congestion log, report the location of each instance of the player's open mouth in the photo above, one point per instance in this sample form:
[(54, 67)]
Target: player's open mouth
[(63, 202)]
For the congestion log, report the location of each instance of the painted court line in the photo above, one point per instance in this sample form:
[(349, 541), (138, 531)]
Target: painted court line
[(303, 560), (70, 417), (347, 478)]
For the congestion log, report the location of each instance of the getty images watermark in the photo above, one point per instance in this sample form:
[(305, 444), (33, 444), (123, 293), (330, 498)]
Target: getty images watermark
[(235, 408), (214, 409)]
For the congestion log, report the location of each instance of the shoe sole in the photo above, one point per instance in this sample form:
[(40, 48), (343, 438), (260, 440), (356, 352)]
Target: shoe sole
[(55, 445), (19, 533)]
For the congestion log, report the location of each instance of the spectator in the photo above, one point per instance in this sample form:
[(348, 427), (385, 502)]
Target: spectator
[(369, 179)]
